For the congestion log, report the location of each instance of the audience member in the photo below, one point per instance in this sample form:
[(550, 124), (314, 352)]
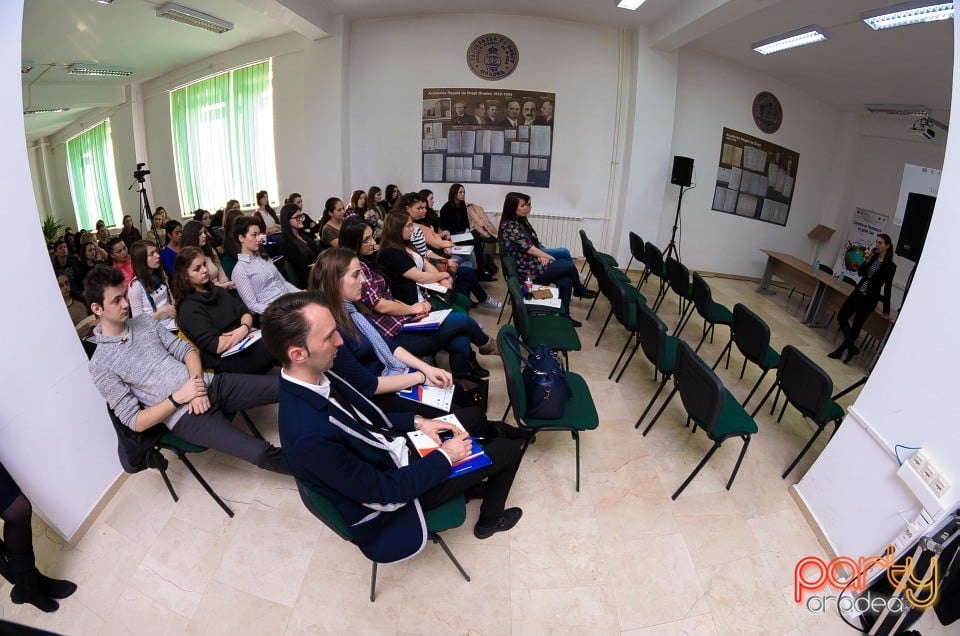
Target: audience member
[(310, 226), (454, 335), (148, 376), (214, 320), (298, 248), (119, 257), (83, 321), (129, 233), (257, 279), (89, 256), (149, 292), (543, 265), (206, 220), (266, 216), (358, 464), (331, 221), (196, 235), (174, 236)]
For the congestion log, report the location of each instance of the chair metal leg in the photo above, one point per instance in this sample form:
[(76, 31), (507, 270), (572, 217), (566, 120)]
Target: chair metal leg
[(743, 368), (373, 583), (656, 394), (776, 398), (203, 482), (803, 452), (723, 352), (506, 410), (629, 263), (576, 439), (643, 277), (704, 337), (592, 305), (755, 386), (436, 538), (604, 328), (620, 357), (765, 396), (782, 411), (503, 307), (684, 319), (629, 359), (696, 470), (743, 451), (166, 480)]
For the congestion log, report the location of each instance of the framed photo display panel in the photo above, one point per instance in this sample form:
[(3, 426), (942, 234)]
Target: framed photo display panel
[(756, 179), (480, 135)]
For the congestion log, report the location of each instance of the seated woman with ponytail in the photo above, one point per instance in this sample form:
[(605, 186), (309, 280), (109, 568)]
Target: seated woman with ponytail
[(369, 363), (149, 292), (388, 314), (213, 320)]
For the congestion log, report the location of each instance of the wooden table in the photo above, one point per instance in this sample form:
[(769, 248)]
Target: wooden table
[(794, 271), (825, 291)]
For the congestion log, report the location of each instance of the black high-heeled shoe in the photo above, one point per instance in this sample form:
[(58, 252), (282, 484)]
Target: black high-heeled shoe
[(836, 353), (852, 351)]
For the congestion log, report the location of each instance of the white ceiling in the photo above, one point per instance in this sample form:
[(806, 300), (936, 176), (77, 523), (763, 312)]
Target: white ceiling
[(856, 65)]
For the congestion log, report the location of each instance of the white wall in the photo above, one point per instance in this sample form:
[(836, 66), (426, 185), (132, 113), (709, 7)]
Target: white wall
[(713, 94), (55, 438), (852, 489), (392, 61)]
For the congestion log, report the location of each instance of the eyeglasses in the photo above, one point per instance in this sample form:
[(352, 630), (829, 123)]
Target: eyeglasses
[(297, 217)]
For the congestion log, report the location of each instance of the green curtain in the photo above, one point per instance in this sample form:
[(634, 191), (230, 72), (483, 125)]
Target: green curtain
[(93, 179), (223, 138)]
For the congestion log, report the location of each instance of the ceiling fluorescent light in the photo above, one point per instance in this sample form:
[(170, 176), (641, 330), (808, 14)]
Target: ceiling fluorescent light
[(912, 110), (797, 37), (103, 70), (186, 15), (908, 13), (633, 5), (39, 111)]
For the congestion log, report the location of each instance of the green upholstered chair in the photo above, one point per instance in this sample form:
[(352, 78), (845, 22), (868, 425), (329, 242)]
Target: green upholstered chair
[(709, 407), (678, 276), (449, 515), (656, 267), (509, 267), (149, 443), (712, 313), (607, 259), (622, 296), (752, 337), (601, 266), (580, 413), (659, 348), (555, 331), (807, 388), (636, 251)]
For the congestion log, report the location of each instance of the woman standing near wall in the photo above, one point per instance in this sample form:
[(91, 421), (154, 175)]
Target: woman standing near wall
[(876, 280)]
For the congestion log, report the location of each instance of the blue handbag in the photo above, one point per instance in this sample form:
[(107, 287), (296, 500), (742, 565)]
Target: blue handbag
[(544, 380)]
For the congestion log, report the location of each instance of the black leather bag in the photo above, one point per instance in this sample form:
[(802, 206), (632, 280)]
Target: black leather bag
[(470, 391)]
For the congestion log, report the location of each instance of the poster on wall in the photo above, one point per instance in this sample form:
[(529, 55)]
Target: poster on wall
[(756, 178), (860, 240), (480, 135)]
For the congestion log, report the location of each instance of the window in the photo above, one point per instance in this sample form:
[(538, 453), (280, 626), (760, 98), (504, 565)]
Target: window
[(93, 178), (223, 138)]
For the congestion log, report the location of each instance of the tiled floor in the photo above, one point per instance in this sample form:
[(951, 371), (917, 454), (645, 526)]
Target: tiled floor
[(617, 557)]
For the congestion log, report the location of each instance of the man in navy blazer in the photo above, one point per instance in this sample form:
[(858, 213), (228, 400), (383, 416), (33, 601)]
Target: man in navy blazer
[(342, 446)]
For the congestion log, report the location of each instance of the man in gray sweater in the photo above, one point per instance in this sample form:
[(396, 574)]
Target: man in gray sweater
[(149, 376)]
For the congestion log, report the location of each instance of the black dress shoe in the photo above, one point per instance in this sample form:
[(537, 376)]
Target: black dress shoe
[(575, 323), (852, 351), (477, 371), (836, 353), (506, 521), (486, 278), (586, 293)]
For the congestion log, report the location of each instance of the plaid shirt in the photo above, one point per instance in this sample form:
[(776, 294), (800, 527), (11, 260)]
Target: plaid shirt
[(374, 289)]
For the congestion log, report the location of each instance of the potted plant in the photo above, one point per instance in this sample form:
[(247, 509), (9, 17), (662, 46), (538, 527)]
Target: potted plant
[(52, 228)]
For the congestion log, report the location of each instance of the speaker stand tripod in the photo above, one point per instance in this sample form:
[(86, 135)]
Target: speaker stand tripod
[(672, 248)]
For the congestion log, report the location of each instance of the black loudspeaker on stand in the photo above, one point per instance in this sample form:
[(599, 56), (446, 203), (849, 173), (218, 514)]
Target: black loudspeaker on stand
[(682, 176), (916, 222)]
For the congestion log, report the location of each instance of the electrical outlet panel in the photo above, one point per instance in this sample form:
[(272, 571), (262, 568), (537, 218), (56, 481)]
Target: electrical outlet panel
[(940, 485), (924, 478), (918, 460), (929, 473)]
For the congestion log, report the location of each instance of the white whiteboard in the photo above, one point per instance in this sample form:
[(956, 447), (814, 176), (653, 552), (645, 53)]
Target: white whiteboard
[(915, 179)]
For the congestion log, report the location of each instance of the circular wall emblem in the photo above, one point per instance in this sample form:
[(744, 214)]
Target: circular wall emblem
[(767, 112), (492, 56)]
